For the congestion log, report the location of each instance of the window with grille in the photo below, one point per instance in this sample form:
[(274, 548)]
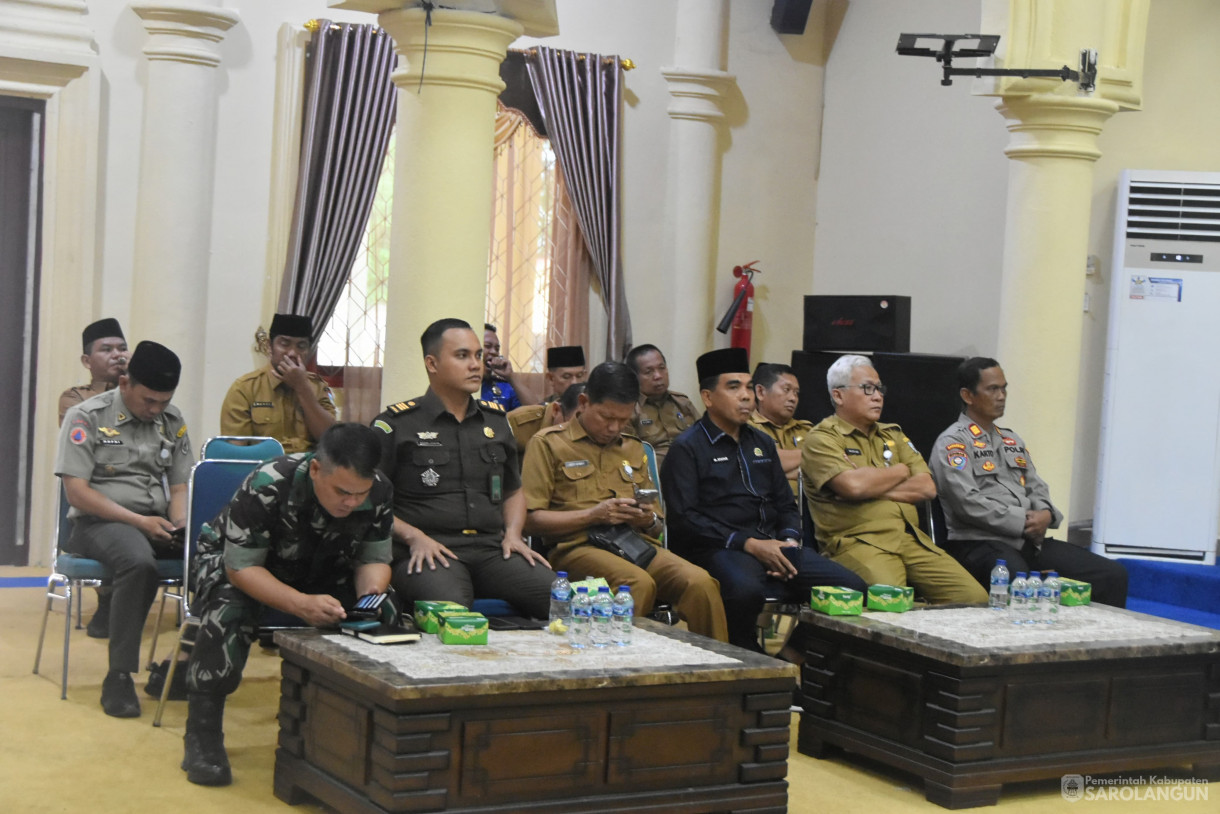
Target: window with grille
[(355, 334)]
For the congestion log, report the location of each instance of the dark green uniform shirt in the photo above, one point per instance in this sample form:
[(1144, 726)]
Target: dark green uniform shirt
[(449, 478)]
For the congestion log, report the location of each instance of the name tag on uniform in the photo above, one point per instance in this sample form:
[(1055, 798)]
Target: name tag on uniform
[(111, 442), (262, 404), (720, 460), (853, 451), (645, 421), (575, 463)]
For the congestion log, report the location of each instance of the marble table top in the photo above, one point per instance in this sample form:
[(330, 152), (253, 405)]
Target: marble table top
[(529, 661), (980, 636)]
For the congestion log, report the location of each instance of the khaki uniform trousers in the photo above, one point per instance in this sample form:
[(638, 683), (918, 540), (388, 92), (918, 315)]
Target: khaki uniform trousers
[(693, 592), (935, 575)]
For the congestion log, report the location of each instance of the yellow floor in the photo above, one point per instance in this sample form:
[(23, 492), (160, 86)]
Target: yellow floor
[(67, 756)]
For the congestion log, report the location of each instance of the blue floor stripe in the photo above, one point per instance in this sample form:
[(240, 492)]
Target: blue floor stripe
[(23, 582)]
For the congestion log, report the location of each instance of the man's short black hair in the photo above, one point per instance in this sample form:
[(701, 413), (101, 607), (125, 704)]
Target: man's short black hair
[(970, 371), (351, 446), (431, 338), (633, 357), (768, 373), (709, 383), (487, 326), (571, 397), (612, 381)]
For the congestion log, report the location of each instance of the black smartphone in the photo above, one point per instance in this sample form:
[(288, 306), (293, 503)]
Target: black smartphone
[(366, 607)]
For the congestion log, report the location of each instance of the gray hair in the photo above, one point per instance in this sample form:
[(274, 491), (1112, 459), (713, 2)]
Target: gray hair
[(839, 373)]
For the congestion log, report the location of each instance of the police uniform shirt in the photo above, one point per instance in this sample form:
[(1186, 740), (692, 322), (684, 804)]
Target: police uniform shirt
[(659, 421), (720, 492), (835, 446), (75, 395), (127, 460), (986, 482), (261, 404), (449, 477), (501, 393), (566, 471), (275, 521), (789, 436)]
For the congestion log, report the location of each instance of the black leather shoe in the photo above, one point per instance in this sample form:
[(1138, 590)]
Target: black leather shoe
[(99, 625), (119, 695), (156, 680)]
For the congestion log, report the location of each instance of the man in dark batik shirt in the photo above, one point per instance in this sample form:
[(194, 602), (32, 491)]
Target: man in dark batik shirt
[(305, 534)]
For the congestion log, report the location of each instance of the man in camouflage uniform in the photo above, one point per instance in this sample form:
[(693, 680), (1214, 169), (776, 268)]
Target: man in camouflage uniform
[(306, 534), (124, 459), (662, 413), (283, 400), (104, 355)]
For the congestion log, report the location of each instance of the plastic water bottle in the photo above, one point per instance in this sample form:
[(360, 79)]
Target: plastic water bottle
[(999, 586), (1019, 606), (561, 605), (624, 609), (578, 630), (1034, 607), (603, 618), (1050, 598)]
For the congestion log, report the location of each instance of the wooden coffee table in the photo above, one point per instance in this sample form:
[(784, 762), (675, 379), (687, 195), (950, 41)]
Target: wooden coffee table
[(673, 723), (970, 702)]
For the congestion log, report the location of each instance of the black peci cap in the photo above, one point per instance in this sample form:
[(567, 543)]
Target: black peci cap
[(291, 325), (725, 360), (565, 356), (98, 330), (155, 366)]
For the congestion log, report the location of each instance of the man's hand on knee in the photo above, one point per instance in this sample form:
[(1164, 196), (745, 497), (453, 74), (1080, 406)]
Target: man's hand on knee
[(426, 551), (771, 554)]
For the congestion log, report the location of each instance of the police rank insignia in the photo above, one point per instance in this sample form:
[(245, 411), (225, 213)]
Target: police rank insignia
[(1019, 461), (489, 432), (121, 417), (430, 477), (980, 444), (1022, 478), (181, 431), (109, 432), (975, 430), (988, 466)]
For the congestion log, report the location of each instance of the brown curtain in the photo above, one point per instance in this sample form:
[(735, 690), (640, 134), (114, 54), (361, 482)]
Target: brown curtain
[(580, 96), (346, 123)]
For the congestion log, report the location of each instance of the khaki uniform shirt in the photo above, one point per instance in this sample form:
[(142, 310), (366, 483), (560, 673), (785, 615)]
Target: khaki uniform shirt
[(75, 395), (525, 423), (260, 404), (986, 482), (659, 421), (788, 436), (566, 470), (132, 462), (449, 478), (834, 447)]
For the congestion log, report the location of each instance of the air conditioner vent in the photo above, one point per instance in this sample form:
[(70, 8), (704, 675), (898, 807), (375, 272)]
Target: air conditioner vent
[(1174, 211)]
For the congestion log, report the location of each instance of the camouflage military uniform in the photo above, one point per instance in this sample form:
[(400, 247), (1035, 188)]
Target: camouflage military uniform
[(276, 522)]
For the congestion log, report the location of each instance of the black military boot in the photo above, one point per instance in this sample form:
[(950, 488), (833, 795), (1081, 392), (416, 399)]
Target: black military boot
[(205, 760)]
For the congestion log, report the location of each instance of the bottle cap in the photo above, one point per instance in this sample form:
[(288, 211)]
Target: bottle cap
[(1052, 574), (563, 574), (1020, 575), (582, 590), (1001, 562), (626, 588), (603, 589)]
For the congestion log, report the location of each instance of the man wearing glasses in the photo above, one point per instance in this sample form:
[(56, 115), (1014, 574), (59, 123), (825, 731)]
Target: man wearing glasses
[(863, 479)]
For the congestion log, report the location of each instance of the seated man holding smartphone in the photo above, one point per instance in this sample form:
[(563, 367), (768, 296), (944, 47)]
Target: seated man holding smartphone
[(587, 477), (307, 534), (731, 509)]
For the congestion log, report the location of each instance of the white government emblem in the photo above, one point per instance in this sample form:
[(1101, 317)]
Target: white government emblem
[(430, 477), (427, 436)]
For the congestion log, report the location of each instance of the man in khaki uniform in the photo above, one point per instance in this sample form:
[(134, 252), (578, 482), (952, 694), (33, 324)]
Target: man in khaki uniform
[(585, 473), (776, 395), (124, 459), (662, 413), (283, 400), (565, 366), (104, 355), (862, 481)]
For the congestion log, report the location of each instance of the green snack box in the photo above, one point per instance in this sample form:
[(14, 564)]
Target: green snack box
[(426, 613), (463, 628), (890, 598), (1074, 592), (836, 601), (592, 583)]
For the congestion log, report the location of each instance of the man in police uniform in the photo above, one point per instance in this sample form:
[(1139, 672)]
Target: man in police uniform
[(565, 366), (585, 473), (458, 504), (730, 507), (497, 371), (283, 400), (862, 481), (124, 458), (307, 534), (776, 395), (996, 505), (662, 413), (104, 355)]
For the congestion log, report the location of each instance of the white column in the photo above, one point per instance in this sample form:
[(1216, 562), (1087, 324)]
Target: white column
[(174, 200), (697, 85)]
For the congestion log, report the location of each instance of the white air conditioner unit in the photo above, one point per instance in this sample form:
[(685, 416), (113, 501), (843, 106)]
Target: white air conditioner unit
[(1158, 473)]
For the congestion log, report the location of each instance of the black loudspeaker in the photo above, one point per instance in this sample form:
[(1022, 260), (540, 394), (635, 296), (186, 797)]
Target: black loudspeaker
[(790, 16), (850, 323), (921, 391)]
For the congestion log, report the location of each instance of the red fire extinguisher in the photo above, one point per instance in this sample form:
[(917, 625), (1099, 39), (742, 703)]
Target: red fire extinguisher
[(743, 300)]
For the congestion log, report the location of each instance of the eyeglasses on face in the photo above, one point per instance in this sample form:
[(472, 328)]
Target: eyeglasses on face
[(868, 387)]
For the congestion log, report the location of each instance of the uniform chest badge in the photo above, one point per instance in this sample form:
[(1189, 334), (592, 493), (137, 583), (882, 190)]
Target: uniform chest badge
[(627, 470), (1019, 461), (1022, 478), (980, 444), (797, 439), (1010, 442), (757, 452), (988, 466), (121, 417), (489, 432), (427, 436), (109, 432), (496, 391), (679, 416), (430, 477)]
